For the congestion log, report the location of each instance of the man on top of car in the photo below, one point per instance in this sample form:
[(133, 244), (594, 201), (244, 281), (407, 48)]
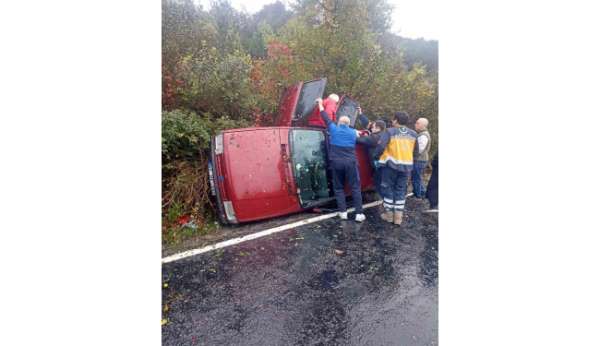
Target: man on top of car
[(330, 106)]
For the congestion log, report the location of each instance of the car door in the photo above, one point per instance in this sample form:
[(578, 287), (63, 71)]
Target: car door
[(298, 102), (349, 108), (309, 166)]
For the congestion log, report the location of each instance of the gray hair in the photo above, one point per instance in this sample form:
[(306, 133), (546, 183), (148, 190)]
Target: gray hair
[(344, 120)]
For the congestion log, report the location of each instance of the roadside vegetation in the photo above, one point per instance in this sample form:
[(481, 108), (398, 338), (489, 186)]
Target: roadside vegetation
[(222, 68)]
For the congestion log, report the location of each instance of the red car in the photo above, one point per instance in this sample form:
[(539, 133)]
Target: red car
[(263, 172)]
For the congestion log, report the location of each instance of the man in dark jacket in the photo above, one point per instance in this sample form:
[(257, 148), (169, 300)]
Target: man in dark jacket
[(342, 154), (370, 142)]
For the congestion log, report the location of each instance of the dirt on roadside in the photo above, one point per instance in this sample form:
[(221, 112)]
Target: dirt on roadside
[(225, 232)]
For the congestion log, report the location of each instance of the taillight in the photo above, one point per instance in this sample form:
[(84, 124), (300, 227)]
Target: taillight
[(219, 144), (229, 212), (211, 179)]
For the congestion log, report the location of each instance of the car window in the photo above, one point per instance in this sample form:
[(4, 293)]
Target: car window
[(349, 108), (310, 166), (309, 93)]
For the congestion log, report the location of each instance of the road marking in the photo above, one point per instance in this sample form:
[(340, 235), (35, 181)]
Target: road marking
[(266, 232)]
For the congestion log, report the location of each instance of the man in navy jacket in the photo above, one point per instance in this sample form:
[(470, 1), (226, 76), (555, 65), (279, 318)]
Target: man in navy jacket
[(342, 155)]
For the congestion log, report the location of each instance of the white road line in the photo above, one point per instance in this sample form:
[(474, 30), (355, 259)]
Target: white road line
[(266, 232)]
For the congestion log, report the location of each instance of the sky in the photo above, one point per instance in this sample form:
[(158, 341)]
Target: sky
[(410, 18)]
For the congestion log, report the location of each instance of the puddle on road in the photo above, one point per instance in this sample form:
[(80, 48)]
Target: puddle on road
[(293, 288)]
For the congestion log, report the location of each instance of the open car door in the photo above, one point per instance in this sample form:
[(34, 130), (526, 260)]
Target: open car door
[(349, 108), (298, 102)]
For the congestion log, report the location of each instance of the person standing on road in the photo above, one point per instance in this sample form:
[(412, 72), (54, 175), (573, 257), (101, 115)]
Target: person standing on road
[(396, 150), (370, 142), (343, 162), (330, 105), (432, 187), (422, 159)]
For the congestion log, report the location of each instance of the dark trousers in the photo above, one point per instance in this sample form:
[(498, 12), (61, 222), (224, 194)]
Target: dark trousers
[(345, 171), (432, 187), (377, 180), (416, 177), (393, 185)]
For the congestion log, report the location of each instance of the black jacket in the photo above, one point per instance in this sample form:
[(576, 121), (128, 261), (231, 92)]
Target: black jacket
[(370, 142)]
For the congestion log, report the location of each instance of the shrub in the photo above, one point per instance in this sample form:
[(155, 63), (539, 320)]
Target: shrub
[(185, 153)]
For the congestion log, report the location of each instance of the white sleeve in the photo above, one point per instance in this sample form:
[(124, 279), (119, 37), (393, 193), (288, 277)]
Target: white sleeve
[(422, 143), (357, 133)]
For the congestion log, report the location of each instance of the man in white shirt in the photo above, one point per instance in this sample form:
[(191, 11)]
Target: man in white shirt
[(421, 161)]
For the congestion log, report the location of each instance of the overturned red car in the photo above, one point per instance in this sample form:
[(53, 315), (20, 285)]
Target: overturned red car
[(262, 172)]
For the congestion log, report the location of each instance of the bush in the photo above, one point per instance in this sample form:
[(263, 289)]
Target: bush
[(185, 153)]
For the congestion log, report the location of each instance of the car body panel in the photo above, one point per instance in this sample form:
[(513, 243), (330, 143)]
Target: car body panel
[(364, 168), (287, 105), (256, 171)]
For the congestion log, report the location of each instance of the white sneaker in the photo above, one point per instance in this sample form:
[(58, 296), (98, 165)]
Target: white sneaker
[(344, 215), (360, 217)]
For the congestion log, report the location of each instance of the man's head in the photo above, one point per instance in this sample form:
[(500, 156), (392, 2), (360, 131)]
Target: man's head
[(400, 119), (421, 124), (344, 120), (378, 126), (334, 98)]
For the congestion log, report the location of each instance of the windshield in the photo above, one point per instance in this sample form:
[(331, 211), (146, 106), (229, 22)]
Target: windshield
[(306, 102), (310, 166)]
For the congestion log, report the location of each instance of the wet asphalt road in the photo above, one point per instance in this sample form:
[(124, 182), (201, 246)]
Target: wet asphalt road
[(293, 288)]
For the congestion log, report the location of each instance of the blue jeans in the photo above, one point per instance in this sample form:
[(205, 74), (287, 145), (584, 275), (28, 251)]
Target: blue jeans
[(393, 186), (417, 183), (344, 171)]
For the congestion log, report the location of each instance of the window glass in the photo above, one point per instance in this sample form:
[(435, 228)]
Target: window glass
[(310, 166), (349, 108), (306, 102)]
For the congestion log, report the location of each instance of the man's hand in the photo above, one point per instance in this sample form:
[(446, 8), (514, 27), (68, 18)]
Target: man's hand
[(359, 110)]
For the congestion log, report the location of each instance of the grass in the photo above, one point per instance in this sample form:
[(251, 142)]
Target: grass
[(175, 234)]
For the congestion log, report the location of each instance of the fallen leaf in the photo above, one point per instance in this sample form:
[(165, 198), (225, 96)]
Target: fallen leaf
[(163, 321), (339, 252)]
